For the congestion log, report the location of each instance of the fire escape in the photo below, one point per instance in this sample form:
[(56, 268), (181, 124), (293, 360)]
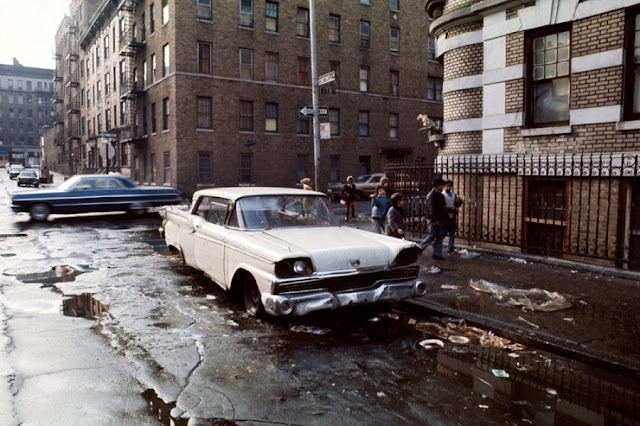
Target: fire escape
[(58, 98), (132, 42), (71, 96)]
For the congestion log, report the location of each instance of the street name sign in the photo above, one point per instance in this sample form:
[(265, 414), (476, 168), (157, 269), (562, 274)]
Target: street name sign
[(108, 135), (307, 111), (326, 78)]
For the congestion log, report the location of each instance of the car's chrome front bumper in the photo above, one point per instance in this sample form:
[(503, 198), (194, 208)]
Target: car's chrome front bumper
[(305, 303)]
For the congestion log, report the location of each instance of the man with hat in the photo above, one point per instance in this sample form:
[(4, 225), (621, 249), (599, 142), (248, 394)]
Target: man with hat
[(437, 219)]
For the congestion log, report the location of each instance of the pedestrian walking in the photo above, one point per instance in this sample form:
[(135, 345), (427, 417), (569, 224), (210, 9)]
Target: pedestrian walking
[(453, 203), (349, 196), (395, 217), (386, 184), (437, 216), (380, 205)]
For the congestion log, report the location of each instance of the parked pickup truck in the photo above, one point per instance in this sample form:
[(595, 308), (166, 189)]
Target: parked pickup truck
[(279, 249)]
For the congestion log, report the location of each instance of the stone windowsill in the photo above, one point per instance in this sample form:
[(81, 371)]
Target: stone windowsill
[(628, 125), (546, 131)]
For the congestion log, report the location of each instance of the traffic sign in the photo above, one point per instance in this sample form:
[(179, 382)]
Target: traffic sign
[(326, 78), (307, 111), (108, 135), (325, 130)]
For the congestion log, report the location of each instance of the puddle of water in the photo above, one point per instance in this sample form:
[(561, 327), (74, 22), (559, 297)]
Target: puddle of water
[(83, 306), (162, 411), (50, 276), (12, 235), (7, 254)]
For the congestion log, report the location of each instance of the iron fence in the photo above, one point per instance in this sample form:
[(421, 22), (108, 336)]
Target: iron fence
[(571, 206)]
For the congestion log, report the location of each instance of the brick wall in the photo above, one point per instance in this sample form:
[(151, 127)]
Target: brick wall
[(452, 5), (597, 88), (462, 143), (463, 104), (515, 49), (464, 61), (514, 96), (465, 28), (513, 12), (598, 33)]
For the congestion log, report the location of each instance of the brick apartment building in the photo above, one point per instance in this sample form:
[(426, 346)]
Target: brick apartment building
[(205, 93), (25, 109), (542, 124)]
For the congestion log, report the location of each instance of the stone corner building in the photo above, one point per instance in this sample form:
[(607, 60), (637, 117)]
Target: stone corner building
[(201, 93), (542, 124)]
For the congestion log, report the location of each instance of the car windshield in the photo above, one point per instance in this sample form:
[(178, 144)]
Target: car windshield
[(281, 211), (362, 179), (27, 173)]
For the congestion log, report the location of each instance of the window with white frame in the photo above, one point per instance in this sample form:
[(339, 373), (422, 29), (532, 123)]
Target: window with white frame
[(434, 89), (166, 59), (365, 34), (394, 39), (334, 120), (165, 12), (204, 10), (167, 167), (364, 79), (153, 68), (394, 5), (363, 124), (394, 126), (302, 22), (334, 28), (271, 66), (246, 116), (271, 17), (271, 117), (431, 52), (394, 83), (246, 64), (246, 13)]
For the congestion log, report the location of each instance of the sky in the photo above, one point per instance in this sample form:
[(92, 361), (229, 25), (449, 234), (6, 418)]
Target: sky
[(28, 29)]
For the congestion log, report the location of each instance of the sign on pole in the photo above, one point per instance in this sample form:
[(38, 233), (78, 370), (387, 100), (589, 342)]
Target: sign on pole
[(327, 78), (308, 111), (325, 130), (108, 135)]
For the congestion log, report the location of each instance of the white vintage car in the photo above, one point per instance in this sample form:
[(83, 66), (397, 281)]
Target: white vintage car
[(279, 248)]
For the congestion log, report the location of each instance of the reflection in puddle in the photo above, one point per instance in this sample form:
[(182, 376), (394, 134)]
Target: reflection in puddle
[(60, 273), (84, 306), (162, 411)]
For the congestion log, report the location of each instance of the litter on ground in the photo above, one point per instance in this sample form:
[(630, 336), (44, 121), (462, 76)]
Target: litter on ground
[(534, 299)]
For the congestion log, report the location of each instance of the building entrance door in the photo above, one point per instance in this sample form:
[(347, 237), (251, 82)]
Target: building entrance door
[(634, 234), (545, 216)]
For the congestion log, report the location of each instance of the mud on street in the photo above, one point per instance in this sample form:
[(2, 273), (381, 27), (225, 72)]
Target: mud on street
[(167, 345)]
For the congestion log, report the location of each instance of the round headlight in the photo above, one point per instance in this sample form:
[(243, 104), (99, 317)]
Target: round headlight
[(299, 267)]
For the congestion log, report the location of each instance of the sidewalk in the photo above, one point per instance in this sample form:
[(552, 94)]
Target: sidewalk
[(600, 328)]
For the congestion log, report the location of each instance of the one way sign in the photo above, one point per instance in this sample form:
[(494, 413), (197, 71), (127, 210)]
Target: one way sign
[(307, 111)]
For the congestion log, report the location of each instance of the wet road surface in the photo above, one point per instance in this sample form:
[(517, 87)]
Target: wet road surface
[(193, 353)]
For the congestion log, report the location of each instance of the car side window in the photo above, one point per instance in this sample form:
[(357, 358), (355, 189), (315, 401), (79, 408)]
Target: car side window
[(218, 211), (203, 207)]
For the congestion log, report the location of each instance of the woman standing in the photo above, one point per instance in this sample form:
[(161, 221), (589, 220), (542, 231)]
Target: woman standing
[(349, 196)]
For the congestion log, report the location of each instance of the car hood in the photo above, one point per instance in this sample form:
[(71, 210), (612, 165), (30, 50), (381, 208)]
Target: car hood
[(334, 248)]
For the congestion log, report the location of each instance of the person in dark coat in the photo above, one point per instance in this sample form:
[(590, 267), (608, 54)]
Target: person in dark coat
[(349, 196), (437, 217), (395, 217)]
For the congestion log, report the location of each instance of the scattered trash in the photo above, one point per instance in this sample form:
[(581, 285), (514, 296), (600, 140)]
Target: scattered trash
[(64, 270), (528, 322), (233, 323), (389, 315), (551, 391), (435, 269), (534, 299), (463, 251), (484, 407), (310, 329), (571, 320), (473, 331), (381, 394), (582, 302), (574, 271), (450, 287), (470, 255), (515, 347), (490, 340), (411, 321), (513, 355), (432, 344), (459, 340), (432, 328), (517, 260), (499, 373), (210, 297)]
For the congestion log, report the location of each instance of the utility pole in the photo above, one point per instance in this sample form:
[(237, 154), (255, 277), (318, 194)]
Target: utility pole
[(314, 94)]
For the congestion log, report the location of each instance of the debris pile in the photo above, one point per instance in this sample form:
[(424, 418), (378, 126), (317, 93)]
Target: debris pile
[(533, 299)]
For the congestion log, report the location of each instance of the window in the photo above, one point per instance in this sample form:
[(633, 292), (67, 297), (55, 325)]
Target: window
[(631, 85), (107, 119), (204, 58), (246, 116), (434, 89), (364, 79), (394, 5), (107, 83), (303, 71), (335, 67), (548, 81), (394, 126), (394, 39), (246, 173), (302, 21), (271, 117), (153, 118), (368, 2), (334, 28), (246, 13), (205, 167), (153, 68), (334, 168), (152, 168), (165, 60), (152, 19), (144, 74), (334, 119), (363, 124), (167, 167), (123, 111), (365, 35), (106, 45), (99, 123), (29, 87), (271, 66), (204, 10), (302, 166), (205, 118), (303, 127), (394, 83), (143, 30), (98, 90), (144, 120), (246, 64), (165, 12), (271, 17), (165, 113), (431, 53)]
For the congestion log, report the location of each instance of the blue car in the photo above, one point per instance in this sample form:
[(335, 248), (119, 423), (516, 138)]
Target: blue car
[(94, 193)]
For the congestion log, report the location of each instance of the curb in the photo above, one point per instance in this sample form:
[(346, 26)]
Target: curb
[(563, 347)]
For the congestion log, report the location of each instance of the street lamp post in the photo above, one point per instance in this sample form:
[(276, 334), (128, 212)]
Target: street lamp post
[(314, 93)]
